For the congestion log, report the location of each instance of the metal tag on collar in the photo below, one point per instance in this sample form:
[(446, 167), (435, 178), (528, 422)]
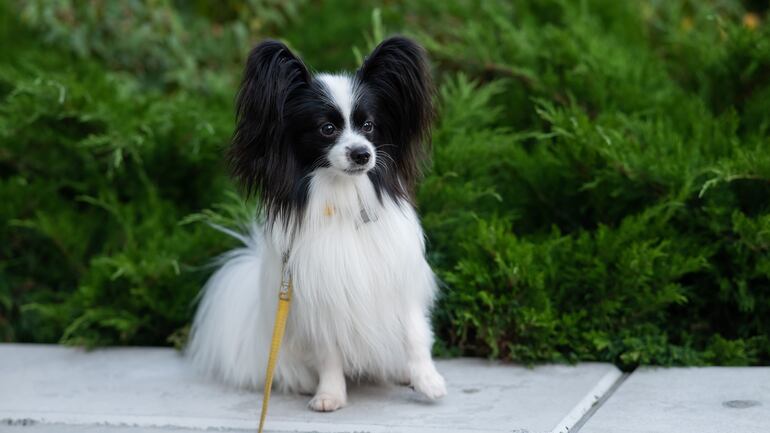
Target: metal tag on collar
[(368, 217)]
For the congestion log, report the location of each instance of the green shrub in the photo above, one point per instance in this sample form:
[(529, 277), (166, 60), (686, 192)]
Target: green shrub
[(591, 201), (600, 184)]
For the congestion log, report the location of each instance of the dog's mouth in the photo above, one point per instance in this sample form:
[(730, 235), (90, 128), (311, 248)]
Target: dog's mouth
[(356, 171)]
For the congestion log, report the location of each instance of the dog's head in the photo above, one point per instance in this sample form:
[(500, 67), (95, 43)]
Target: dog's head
[(291, 122)]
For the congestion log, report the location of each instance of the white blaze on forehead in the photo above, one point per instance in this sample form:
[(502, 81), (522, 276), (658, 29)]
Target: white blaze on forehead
[(341, 93)]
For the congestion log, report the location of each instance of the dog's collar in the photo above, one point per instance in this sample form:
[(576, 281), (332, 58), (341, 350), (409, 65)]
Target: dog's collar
[(366, 215)]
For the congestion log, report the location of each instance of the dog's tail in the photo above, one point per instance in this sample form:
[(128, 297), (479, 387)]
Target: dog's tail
[(226, 339)]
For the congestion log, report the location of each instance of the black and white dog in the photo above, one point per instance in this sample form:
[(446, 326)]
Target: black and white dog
[(334, 159)]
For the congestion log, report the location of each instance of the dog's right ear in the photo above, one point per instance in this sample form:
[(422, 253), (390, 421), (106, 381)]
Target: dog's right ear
[(272, 74)]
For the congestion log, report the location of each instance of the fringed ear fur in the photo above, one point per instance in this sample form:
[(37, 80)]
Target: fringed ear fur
[(258, 157), (398, 74)]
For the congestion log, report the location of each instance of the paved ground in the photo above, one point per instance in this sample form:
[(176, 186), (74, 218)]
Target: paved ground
[(51, 389), (714, 399), (155, 388)]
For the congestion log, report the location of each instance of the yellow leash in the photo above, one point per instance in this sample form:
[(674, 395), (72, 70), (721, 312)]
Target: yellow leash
[(284, 301)]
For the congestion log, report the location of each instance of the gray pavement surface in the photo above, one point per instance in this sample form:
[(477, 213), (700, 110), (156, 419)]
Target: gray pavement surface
[(683, 400), (47, 389)]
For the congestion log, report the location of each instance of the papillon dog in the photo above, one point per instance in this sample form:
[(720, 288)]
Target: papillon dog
[(334, 159)]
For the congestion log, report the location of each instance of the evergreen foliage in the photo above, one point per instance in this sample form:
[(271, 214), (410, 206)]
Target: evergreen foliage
[(600, 184)]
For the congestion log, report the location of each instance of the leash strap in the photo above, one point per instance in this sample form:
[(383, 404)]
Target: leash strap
[(284, 301)]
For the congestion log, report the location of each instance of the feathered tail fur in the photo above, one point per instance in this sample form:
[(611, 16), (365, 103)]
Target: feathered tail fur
[(227, 341)]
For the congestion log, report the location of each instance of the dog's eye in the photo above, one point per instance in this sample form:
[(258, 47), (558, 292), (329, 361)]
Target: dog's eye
[(368, 126), (328, 129)]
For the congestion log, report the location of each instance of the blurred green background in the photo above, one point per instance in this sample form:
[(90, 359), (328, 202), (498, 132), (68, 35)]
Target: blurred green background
[(599, 187)]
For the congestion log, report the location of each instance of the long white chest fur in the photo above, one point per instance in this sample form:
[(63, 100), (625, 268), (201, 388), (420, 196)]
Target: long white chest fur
[(359, 273)]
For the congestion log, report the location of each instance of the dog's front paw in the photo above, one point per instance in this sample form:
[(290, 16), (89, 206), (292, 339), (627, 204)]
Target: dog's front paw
[(324, 402), (429, 383)]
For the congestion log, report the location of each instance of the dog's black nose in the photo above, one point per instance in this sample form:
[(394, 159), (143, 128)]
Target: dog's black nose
[(360, 155)]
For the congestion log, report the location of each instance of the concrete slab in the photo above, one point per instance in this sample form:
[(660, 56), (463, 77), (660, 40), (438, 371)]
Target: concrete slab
[(99, 428), (703, 400), (154, 388)]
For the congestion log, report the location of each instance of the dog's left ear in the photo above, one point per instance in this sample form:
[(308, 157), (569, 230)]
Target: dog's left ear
[(398, 75)]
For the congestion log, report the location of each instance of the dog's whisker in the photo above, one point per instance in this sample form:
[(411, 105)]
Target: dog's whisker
[(381, 162), (385, 158)]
